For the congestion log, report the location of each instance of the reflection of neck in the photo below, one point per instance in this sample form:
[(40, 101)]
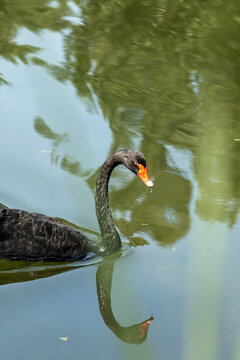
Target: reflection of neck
[(132, 334), (110, 239), (104, 284)]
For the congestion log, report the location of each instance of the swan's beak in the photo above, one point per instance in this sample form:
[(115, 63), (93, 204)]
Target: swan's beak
[(143, 174)]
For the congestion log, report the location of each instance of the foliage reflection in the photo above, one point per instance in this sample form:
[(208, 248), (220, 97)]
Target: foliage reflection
[(152, 91)]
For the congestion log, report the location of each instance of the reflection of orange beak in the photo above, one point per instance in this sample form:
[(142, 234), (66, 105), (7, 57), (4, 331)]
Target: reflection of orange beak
[(144, 326), (143, 174)]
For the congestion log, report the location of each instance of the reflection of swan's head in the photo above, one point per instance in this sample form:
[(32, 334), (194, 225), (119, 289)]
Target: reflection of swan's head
[(135, 334)]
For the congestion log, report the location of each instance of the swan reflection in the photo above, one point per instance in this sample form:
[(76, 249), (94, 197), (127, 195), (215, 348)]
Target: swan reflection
[(134, 334), (19, 271)]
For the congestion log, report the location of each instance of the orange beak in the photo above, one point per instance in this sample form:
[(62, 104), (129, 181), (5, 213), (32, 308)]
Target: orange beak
[(143, 174)]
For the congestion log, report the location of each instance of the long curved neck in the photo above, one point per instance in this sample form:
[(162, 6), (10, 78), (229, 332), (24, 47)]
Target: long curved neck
[(111, 241)]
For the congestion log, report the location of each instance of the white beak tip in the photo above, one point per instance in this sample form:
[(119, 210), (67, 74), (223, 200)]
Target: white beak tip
[(149, 183)]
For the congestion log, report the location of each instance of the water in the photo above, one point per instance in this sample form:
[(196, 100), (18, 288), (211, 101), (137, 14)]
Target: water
[(80, 80)]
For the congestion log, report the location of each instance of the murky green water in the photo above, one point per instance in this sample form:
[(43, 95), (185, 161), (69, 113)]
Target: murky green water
[(79, 80)]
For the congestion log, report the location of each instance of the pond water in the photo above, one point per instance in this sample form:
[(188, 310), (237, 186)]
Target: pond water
[(80, 80)]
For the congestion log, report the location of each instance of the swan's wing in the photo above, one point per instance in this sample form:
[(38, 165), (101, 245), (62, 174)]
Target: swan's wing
[(35, 236)]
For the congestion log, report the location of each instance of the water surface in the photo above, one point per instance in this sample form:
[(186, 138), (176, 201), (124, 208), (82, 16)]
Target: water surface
[(80, 80)]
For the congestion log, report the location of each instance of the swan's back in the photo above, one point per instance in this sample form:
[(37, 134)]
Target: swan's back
[(25, 235)]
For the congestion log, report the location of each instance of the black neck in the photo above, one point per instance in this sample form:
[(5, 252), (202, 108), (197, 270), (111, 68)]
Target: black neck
[(111, 241)]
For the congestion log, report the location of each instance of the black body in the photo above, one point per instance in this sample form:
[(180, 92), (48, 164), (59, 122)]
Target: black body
[(32, 236)]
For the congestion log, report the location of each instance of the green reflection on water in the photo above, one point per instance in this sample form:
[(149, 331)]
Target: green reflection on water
[(161, 74)]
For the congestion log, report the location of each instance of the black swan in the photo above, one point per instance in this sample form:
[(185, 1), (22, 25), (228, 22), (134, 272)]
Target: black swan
[(32, 236)]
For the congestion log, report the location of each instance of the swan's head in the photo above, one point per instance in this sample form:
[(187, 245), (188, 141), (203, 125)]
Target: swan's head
[(136, 162)]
